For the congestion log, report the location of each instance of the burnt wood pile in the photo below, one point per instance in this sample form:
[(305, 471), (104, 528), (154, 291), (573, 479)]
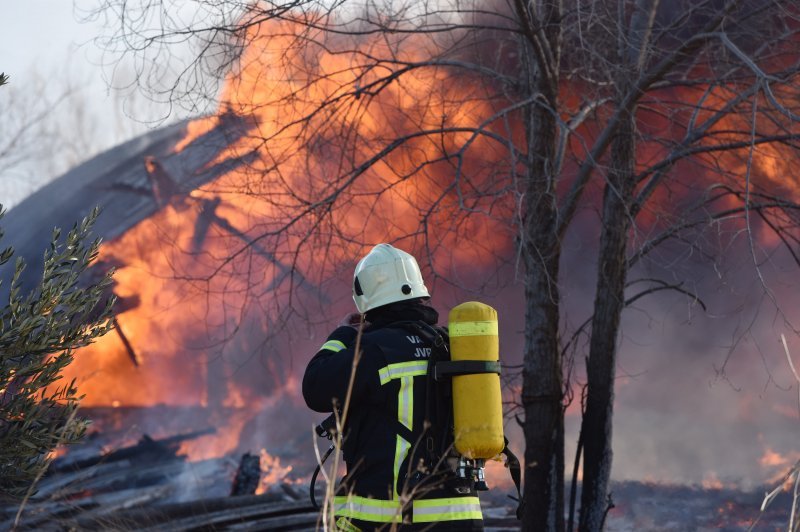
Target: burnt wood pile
[(148, 486)]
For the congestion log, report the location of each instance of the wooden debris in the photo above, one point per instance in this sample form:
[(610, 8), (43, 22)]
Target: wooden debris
[(147, 450), (247, 476), (149, 487)]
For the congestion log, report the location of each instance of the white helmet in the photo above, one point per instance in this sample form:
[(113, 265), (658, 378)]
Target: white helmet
[(386, 275)]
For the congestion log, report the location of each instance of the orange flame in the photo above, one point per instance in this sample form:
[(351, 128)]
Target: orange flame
[(272, 472), (712, 482), (190, 305), (777, 464)]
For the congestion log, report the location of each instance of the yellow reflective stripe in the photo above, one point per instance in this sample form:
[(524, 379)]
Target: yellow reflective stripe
[(403, 369), (401, 449), (333, 345), (405, 402), (344, 525), (451, 509), (405, 415), (472, 328), (375, 510), (448, 501)]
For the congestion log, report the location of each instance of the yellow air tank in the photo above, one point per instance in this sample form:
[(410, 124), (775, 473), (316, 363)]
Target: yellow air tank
[(477, 403)]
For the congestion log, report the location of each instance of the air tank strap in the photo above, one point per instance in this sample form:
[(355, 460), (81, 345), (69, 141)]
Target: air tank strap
[(454, 368)]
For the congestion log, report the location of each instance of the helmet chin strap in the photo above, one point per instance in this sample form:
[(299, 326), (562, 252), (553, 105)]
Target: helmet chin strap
[(357, 287)]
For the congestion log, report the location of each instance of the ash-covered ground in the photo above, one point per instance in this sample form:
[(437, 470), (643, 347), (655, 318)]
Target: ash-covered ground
[(655, 507), (642, 506)]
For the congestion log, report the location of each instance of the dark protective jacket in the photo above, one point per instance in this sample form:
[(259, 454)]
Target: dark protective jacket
[(385, 423)]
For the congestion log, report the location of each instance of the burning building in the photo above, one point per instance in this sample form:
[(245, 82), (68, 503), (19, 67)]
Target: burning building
[(168, 348), (225, 255)]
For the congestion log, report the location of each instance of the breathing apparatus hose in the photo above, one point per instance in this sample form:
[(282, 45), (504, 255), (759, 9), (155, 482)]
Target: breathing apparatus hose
[(326, 429), (316, 473)]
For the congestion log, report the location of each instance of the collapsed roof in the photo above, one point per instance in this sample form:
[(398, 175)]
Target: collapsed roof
[(129, 183)]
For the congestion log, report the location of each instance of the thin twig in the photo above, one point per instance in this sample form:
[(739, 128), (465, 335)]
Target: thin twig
[(41, 472), (769, 497), (328, 512), (794, 371)]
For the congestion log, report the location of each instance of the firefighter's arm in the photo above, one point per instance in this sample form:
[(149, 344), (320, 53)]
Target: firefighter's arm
[(328, 373)]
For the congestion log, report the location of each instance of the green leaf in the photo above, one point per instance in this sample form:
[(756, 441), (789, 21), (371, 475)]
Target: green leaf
[(38, 333)]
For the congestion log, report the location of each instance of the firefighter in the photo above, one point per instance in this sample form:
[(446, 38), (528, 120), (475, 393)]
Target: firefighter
[(386, 419)]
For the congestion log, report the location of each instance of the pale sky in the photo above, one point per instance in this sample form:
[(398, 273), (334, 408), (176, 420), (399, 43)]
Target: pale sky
[(41, 33), (55, 73)]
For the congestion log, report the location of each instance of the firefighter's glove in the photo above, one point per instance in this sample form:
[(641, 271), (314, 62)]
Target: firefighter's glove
[(351, 320)]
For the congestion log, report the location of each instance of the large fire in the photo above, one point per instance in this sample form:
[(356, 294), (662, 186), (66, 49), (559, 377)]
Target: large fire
[(219, 279), (229, 255)]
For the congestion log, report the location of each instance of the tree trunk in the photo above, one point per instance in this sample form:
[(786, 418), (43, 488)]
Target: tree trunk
[(541, 398), (609, 302), (542, 386), (542, 375)]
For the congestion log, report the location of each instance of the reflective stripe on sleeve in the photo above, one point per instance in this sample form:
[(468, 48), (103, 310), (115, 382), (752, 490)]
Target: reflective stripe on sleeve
[(375, 510), (403, 369), (333, 345), (473, 328), (450, 509)]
